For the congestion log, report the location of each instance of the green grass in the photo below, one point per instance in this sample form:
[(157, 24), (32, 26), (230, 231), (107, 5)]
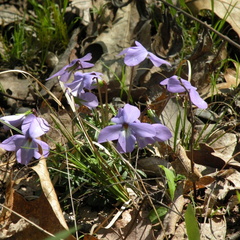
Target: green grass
[(31, 39)]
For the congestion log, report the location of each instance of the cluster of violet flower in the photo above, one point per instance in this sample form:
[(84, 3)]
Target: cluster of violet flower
[(83, 83), (127, 129), (26, 145)]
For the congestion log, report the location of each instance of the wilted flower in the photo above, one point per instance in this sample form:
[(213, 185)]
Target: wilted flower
[(76, 64), (135, 55), (128, 129), (27, 145), (14, 120), (178, 85)]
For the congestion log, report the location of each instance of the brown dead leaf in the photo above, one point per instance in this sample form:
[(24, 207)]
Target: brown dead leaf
[(182, 165), (174, 214), (215, 229), (223, 142), (225, 9), (126, 219), (139, 228), (203, 182), (48, 190), (218, 191), (150, 165), (201, 61), (168, 41), (231, 77), (38, 212), (207, 156), (15, 87)]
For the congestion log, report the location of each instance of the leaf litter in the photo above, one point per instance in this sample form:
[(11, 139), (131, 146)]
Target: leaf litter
[(216, 169)]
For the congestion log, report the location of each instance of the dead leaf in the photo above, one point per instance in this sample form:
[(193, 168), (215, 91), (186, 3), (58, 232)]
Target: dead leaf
[(37, 211), (48, 190), (168, 41), (203, 182), (223, 142), (139, 228), (150, 165), (126, 219), (174, 214), (18, 87), (201, 61), (83, 7), (9, 14), (214, 229), (89, 237), (207, 156), (182, 165), (231, 77), (229, 10)]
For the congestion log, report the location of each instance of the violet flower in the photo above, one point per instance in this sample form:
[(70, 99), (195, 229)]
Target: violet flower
[(81, 82), (137, 54), (14, 120), (128, 129), (178, 85), (87, 99), (27, 145), (76, 64)]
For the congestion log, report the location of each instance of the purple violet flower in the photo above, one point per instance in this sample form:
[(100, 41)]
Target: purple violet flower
[(128, 129), (81, 82), (135, 55), (76, 64), (27, 145), (178, 85), (88, 99), (84, 80), (14, 120)]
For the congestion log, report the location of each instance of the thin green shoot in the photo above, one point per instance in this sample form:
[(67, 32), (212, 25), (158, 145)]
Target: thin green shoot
[(170, 176)]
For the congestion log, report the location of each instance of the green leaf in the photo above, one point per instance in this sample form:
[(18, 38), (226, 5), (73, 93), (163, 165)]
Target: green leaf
[(154, 216), (191, 224), (170, 180)]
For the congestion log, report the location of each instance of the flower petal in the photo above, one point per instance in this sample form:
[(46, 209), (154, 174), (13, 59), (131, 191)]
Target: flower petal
[(196, 99), (26, 152), (84, 63), (162, 132), (119, 118), (174, 85), (14, 120), (13, 143), (130, 113), (34, 127), (75, 86), (156, 60), (142, 129), (126, 141), (88, 99), (134, 55), (43, 149), (109, 133)]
